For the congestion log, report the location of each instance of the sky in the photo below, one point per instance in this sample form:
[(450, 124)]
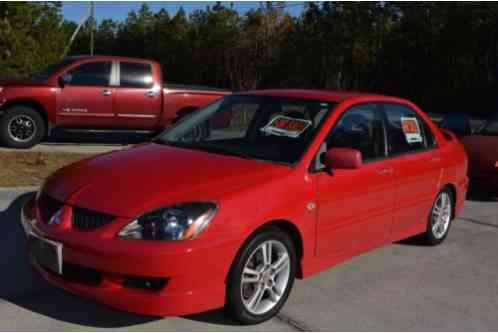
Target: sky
[(118, 10)]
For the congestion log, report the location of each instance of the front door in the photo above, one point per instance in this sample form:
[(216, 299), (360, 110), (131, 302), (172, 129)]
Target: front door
[(355, 206), (86, 100)]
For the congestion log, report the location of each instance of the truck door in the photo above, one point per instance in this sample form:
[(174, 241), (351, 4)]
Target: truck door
[(138, 96), (86, 100)]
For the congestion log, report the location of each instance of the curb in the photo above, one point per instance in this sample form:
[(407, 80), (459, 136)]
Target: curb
[(19, 189)]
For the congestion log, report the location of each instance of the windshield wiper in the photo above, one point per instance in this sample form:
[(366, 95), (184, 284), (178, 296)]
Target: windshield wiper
[(206, 147), (223, 150)]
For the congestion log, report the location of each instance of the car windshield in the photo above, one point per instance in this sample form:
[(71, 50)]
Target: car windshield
[(490, 127), (48, 71), (266, 128)]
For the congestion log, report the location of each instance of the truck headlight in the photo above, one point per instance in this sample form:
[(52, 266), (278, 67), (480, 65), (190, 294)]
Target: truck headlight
[(177, 222)]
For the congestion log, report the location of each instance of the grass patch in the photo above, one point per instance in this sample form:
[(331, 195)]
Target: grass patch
[(31, 168)]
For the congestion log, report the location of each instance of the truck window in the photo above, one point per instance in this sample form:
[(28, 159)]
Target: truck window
[(91, 74), (135, 75)]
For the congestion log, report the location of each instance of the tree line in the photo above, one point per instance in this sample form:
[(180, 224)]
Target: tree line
[(443, 56)]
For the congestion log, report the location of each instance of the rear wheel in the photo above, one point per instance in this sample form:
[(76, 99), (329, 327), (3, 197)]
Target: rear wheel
[(21, 127), (440, 218), (261, 277)]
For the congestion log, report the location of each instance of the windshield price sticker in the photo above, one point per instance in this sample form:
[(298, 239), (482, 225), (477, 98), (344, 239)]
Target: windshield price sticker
[(411, 129), (286, 126)]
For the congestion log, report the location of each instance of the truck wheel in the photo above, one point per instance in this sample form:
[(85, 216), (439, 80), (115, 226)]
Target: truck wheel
[(21, 127)]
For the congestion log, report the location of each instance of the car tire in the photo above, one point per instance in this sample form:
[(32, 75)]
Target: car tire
[(440, 218), (268, 283), (21, 127)]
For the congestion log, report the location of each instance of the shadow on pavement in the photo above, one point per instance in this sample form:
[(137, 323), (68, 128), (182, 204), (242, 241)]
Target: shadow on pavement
[(218, 317), (21, 286)]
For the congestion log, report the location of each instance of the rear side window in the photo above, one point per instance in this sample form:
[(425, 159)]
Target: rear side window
[(362, 128), (91, 74), (135, 75), (407, 132)]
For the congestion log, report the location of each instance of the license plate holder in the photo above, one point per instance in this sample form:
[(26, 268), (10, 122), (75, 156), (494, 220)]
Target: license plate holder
[(46, 253)]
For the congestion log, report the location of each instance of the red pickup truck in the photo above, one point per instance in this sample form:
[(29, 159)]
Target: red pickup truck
[(97, 93)]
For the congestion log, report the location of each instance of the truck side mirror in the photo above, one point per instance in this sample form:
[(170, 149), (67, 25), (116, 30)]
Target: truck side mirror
[(64, 79)]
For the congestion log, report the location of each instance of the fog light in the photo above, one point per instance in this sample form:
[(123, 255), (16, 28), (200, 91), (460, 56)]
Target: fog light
[(153, 284)]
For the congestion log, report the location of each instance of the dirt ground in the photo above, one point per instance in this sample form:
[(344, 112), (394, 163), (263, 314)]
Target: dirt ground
[(31, 168)]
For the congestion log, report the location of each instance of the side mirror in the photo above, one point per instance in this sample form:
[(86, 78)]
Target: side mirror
[(342, 158), (64, 79)]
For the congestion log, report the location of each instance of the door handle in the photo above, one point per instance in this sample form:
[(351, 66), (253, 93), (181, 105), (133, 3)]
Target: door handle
[(106, 92), (150, 93), (385, 172)]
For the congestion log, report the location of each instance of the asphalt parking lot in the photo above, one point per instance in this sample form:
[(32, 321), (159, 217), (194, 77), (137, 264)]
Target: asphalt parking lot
[(400, 287)]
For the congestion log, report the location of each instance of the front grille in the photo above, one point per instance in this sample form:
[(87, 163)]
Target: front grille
[(82, 275), (86, 219), (48, 206), (78, 274)]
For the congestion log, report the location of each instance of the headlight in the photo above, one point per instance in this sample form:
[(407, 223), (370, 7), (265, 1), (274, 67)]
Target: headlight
[(177, 222)]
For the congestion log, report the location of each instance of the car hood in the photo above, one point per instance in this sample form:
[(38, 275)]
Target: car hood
[(482, 151), (133, 181)]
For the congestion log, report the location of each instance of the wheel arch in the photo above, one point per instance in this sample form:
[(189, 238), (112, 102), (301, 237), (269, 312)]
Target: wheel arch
[(185, 110), (31, 104), (453, 190), (290, 229)]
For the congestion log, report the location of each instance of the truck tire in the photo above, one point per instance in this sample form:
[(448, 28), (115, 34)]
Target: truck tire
[(21, 127)]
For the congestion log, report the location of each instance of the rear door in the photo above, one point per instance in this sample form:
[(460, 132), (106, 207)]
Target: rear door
[(355, 206), (417, 166), (87, 97), (138, 96)]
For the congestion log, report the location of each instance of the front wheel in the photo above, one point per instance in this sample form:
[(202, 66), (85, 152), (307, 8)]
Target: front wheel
[(21, 127), (261, 277), (440, 218)]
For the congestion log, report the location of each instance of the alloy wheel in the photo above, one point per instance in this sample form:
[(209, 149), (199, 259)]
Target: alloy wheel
[(441, 215), (265, 277), (22, 128)]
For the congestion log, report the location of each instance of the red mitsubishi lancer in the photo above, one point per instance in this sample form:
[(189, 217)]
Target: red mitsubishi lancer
[(231, 204)]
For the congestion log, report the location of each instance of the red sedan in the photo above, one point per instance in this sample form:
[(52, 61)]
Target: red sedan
[(482, 148), (290, 183)]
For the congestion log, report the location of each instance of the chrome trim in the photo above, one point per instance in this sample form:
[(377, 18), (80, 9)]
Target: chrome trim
[(132, 115), (85, 114)]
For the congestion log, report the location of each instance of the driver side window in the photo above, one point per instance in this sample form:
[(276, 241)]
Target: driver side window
[(362, 128), (94, 74)]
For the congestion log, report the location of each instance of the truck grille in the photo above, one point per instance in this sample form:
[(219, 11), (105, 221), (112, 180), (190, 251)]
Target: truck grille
[(86, 219), (48, 206)]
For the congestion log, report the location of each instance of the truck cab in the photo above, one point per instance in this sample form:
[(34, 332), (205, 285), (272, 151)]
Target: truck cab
[(94, 92)]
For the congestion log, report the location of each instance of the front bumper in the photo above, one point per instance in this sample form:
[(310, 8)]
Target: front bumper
[(194, 271)]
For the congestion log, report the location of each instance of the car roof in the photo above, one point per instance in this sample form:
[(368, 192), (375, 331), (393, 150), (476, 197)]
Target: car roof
[(104, 57), (319, 95)]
